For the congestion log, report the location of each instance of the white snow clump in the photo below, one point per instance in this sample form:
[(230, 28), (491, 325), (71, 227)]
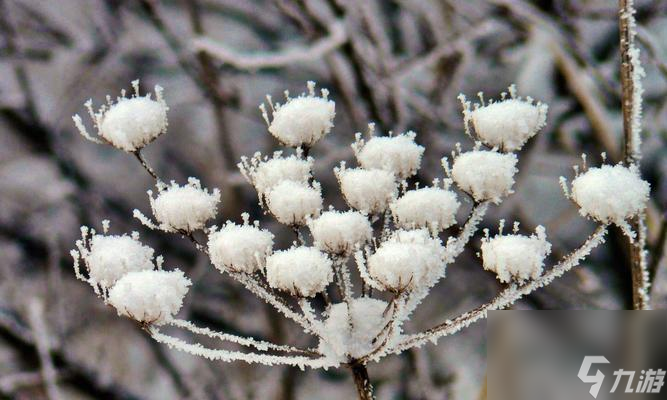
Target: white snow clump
[(367, 190), (303, 120), (130, 123), (302, 271), (340, 233), (398, 154), (430, 207), (151, 297), (293, 202), (517, 257), (265, 173), (184, 208), (239, 248), (485, 175)]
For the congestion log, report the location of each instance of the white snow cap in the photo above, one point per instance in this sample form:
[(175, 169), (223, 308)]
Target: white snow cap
[(130, 123), (407, 260), (293, 202), (610, 193), (110, 257), (506, 124), (302, 271), (184, 208), (303, 120), (367, 190), (516, 257), (152, 297), (430, 207), (486, 175), (264, 173), (352, 334), (239, 248), (340, 233), (398, 154)]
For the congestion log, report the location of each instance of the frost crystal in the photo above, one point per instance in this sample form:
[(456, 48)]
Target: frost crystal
[(303, 120), (150, 296), (352, 335), (407, 260), (239, 248), (340, 233), (265, 173), (506, 124), (429, 207), (399, 154), (486, 175), (111, 257), (293, 202), (516, 257), (184, 208), (130, 123), (302, 271), (368, 190), (610, 193)]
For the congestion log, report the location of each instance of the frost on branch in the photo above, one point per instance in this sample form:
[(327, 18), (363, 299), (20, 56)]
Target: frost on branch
[(485, 175), (430, 207), (303, 120), (184, 208), (293, 202), (301, 271), (367, 190), (130, 123), (264, 173), (340, 233), (516, 257), (506, 124), (397, 154), (239, 248), (151, 297)]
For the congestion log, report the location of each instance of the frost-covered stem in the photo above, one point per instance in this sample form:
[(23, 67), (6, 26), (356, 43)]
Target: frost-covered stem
[(41, 334), (144, 164), (631, 104), (362, 382), (506, 298)]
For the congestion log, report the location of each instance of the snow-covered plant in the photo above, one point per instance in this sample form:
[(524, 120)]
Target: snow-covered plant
[(370, 265)]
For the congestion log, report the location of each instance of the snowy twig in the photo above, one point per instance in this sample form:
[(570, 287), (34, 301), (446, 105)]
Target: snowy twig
[(41, 335)]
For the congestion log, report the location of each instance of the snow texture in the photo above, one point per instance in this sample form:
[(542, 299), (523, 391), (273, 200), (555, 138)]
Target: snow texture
[(265, 173), (130, 123), (239, 248), (610, 194), (293, 202), (110, 257), (431, 207), (398, 154), (150, 296), (340, 233), (516, 257), (367, 190), (184, 208), (485, 175), (302, 271), (407, 260), (303, 120)]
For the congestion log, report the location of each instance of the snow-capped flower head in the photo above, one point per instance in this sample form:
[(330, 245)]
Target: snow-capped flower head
[(303, 120), (398, 154), (485, 175), (367, 190), (407, 260), (130, 123), (182, 208), (506, 124), (240, 248), (293, 202), (430, 207), (109, 257), (351, 335), (302, 271), (339, 233), (150, 297), (610, 194), (264, 173), (515, 257)]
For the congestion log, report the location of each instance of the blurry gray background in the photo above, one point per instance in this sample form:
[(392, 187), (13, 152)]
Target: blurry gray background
[(399, 63)]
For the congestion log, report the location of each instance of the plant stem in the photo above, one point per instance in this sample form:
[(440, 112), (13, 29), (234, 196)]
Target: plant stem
[(362, 382)]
